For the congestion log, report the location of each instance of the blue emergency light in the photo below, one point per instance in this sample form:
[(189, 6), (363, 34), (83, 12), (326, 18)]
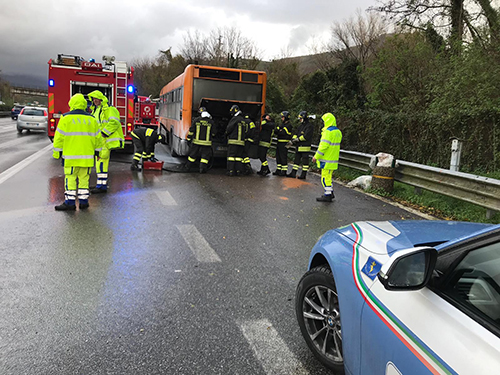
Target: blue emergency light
[(51, 82), (130, 89)]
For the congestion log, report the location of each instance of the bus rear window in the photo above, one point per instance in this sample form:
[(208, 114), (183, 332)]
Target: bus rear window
[(249, 77), (235, 91), (220, 74)]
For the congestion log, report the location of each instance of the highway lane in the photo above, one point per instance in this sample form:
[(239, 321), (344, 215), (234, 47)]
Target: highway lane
[(168, 273)]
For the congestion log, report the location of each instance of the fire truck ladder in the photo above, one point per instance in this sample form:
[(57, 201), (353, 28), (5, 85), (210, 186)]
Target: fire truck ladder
[(121, 92)]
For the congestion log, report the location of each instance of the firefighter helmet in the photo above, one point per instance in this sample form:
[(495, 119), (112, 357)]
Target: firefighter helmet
[(202, 109), (234, 109), (302, 115), (286, 115)]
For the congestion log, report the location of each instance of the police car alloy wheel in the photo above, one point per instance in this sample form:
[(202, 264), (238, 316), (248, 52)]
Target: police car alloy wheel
[(318, 315)]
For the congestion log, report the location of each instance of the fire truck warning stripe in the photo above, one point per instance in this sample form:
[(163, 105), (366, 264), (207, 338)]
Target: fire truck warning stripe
[(51, 103), (130, 108)]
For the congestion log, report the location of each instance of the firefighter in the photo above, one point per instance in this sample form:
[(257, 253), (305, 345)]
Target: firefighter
[(200, 135), (327, 155), (250, 135), (284, 134), (302, 140), (266, 135), (235, 133), (77, 139), (144, 140), (108, 119)]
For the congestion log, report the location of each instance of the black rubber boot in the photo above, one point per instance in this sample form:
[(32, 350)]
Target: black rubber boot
[(135, 166), (325, 198), (292, 174), (302, 176), (277, 172), (65, 207), (264, 171), (83, 206)]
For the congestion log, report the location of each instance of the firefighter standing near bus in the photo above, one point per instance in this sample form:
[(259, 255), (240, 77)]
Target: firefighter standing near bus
[(284, 135), (77, 139), (144, 140), (108, 119), (235, 133), (267, 127), (302, 140), (250, 136), (200, 135)]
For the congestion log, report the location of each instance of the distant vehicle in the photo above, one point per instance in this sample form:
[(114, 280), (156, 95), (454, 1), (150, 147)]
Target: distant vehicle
[(404, 297), (14, 112), (32, 118), (216, 89)]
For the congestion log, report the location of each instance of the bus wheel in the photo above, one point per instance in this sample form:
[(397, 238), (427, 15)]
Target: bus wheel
[(171, 142)]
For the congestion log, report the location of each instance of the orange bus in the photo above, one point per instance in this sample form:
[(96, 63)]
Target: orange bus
[(216, 89)]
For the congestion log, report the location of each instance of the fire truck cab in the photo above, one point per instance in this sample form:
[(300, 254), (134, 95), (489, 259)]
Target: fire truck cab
[(70, 74)]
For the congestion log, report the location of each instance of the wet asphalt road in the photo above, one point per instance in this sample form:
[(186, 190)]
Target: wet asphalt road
[(168, 273)]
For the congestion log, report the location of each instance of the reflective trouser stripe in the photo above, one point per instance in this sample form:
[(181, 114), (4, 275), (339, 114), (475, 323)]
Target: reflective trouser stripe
[(238, 159), (204, 161), (326, 180), (102, 167), (246, 160), (296, 167), (192, 160), (76, 176), (230, 158), (265, 164), (137, 156), (305, 167)]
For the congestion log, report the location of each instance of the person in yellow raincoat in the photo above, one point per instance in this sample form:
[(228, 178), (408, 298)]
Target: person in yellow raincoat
[(327, 155), (108, 119), (77, 141)]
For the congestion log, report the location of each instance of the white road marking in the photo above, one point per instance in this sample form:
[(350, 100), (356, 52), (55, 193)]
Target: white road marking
[(198, 245), (165, 198), (23, 164), (13, 142), (270, 349)]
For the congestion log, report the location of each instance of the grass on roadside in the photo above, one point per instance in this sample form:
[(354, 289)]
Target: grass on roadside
[(435, 204)]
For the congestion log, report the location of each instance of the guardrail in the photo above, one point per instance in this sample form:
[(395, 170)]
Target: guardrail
[(482, 191)]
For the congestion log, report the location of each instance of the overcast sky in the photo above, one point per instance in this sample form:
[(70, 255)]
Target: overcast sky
[(32, 32)]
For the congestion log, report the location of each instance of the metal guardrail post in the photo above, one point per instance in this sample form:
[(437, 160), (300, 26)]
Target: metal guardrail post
[(456, 151)]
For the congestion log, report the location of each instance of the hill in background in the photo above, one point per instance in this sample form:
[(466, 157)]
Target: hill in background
[(25, 80)]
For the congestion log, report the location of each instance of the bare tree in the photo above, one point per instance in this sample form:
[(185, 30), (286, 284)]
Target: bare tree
[(358, 37), (194, 49), (222, 47), (458, 18)]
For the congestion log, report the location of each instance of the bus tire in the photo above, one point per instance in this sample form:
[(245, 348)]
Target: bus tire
[(171, 142)]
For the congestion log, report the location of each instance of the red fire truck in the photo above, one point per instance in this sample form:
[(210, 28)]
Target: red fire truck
[(69, 75), (145, 112)]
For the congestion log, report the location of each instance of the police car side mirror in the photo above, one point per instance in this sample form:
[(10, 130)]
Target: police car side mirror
[(409, 269)]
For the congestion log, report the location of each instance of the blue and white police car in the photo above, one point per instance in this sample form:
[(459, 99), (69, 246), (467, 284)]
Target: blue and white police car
[(404, 297)]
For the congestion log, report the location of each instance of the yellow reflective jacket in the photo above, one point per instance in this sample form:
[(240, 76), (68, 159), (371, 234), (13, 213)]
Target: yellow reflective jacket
[(108, 118), (77, 136), (327, 155)]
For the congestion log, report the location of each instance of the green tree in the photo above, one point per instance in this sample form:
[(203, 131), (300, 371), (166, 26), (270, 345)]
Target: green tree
[(398, 79)]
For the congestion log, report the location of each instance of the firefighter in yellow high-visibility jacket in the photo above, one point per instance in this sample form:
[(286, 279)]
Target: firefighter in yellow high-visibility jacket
[(77, 140), (327, 155), (108, 119)]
